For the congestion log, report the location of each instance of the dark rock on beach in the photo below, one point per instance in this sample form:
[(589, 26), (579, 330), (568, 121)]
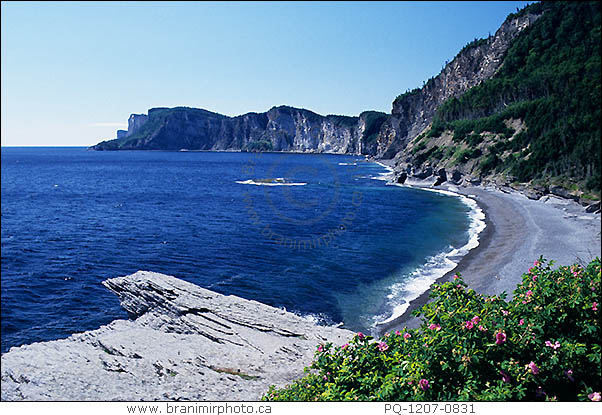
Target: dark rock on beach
[(593, 208), (561, 192)]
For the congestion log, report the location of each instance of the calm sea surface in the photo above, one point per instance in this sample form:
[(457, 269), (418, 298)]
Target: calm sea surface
[(319, 235)]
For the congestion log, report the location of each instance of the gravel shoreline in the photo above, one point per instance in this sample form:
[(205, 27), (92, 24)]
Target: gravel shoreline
[(519, 230)]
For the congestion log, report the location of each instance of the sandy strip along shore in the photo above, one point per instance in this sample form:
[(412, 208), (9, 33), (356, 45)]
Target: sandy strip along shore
[(518, 231)]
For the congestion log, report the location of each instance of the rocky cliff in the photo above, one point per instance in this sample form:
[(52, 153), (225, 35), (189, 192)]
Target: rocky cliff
[(135, 122), (182, 342), (413, 111), (292, 129), (530, 119), (279, 129)]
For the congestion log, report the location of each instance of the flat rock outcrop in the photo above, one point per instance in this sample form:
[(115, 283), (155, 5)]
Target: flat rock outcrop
[(182, 342)]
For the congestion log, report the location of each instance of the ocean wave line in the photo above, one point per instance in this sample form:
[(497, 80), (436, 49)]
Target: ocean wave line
[(270, 182), (438, 265)]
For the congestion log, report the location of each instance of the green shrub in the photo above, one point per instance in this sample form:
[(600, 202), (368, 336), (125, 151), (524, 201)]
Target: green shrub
[(407, 94), (474, 140), (593, 183), (433, 153), (464, 155), (461, 129), (373, 121), (544, 344), (436, 154), (437, 128), (343, 121), (489, 163), (418, 148)]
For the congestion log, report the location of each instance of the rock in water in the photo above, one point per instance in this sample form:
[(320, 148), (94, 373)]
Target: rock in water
[(183, 343)]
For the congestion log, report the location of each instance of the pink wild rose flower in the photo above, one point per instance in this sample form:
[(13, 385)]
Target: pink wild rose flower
[(435, 327), (382, 346), (500, 337), (534, 368), (594, 396), (554, 346), (424, 384)]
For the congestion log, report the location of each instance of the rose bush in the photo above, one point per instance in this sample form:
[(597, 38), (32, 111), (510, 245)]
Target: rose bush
[(544, 344)]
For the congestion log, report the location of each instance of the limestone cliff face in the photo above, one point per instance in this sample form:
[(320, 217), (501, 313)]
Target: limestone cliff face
[(293, 129), (413, 112), (135, 122), (280, 129)]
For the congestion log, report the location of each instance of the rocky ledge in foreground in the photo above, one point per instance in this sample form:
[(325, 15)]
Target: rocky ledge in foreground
[(182, 343)]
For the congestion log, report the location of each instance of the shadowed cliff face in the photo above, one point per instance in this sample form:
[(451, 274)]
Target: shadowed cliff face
[(279, 129), (413, 111)]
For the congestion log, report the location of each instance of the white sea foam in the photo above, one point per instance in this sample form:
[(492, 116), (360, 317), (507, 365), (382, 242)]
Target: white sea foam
[(387, 176), (389, 169), (383, 176), (347, 164), (436, 266), (277, 182), (319, 319)]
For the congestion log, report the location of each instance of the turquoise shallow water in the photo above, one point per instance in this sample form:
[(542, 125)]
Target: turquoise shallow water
[(322, 237)]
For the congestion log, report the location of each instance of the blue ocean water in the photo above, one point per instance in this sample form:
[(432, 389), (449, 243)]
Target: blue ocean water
[(319, 235)]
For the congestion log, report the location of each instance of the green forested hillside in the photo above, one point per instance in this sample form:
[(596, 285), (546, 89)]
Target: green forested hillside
[(550, 78)]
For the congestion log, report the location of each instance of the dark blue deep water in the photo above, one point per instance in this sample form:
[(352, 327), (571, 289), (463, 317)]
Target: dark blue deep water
[(336, 249)]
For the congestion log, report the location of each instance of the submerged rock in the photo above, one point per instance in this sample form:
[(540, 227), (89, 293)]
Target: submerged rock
[(183, 343)]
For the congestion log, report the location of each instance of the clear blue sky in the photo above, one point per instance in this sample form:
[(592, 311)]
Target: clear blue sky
[(73, 72)]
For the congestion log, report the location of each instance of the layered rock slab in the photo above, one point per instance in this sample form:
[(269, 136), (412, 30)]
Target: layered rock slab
[(183, 342)]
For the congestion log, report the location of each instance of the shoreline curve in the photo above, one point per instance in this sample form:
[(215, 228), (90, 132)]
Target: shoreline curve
[(518, 231), (439, 266)]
